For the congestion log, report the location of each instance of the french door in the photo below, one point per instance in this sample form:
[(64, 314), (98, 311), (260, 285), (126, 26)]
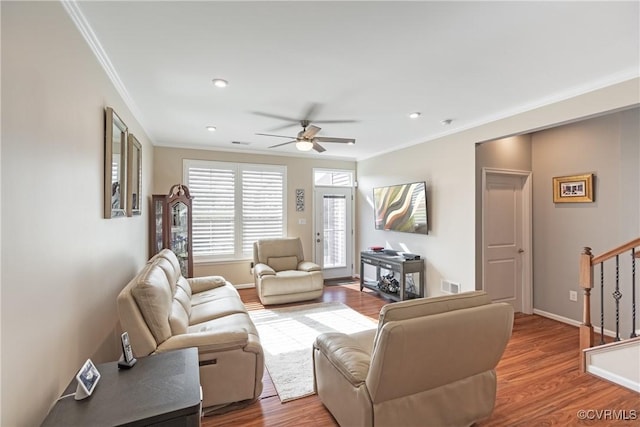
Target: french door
[(333, 231)]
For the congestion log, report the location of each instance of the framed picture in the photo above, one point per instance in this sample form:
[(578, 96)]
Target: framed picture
[(573, 189), (300, 199)]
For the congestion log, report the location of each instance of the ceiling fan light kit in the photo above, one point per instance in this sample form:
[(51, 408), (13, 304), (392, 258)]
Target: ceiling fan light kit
[(304, 145), (220, 83)]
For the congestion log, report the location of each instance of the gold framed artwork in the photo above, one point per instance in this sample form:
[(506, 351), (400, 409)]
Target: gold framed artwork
[(573, 189)]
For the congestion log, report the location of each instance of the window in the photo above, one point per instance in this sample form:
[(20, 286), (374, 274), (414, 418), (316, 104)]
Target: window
[(333, 178), (234, 204)]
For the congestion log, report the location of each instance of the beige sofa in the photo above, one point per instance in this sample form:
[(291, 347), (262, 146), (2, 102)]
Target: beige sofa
[(281, 273), (431, 362), (162, 311)]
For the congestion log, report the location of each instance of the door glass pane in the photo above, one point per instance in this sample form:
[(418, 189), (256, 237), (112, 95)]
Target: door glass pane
[(335, 231)]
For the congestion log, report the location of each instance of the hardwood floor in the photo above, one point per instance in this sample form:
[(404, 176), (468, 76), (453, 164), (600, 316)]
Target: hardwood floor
[(538, 379)]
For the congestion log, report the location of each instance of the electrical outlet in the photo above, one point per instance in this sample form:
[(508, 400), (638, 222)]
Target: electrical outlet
[(573, 296)]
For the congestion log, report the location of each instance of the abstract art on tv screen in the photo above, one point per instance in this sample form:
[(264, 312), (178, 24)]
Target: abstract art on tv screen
[(401, 208)]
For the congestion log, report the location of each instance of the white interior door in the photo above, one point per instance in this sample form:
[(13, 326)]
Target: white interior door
[(506, 240), (334, 231)]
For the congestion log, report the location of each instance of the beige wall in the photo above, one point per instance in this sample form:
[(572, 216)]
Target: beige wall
[(168, 171), (448, 166), (608, 147), (63, 264)]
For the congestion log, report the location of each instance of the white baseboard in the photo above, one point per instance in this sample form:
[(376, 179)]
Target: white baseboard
[(610, 376), (245, 286), (557, 317), (572, 322)]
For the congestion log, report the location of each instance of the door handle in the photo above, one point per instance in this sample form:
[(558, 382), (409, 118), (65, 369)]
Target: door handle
[(318, 240), (520, 250)]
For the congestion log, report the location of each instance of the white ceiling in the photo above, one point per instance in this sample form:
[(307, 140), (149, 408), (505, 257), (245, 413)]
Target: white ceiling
[(372, 62)]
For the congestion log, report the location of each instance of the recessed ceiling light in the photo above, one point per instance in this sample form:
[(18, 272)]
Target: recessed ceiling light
[(446, 122), (211, 128), (414, 115), (220, 83)]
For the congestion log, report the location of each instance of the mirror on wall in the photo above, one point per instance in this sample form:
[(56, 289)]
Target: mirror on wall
[(134, 176), (115, 166)]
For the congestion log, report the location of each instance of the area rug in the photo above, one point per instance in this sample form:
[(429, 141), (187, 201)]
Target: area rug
[(287, 335)]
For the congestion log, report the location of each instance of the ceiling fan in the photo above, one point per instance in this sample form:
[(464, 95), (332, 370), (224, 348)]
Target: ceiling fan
[(309, 116), (307, 139)]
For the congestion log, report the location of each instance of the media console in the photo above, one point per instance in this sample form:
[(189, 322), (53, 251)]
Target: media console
[(397, 264)]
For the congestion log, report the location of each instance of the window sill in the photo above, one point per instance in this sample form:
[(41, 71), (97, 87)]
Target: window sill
[(206, 261)]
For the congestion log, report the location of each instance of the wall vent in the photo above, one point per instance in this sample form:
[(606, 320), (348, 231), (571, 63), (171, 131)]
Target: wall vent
[(449, 287)]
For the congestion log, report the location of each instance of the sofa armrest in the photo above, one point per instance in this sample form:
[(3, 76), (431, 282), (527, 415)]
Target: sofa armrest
[(346, 354), (308, 266), (208, 341), (263, 270), (201, 284)]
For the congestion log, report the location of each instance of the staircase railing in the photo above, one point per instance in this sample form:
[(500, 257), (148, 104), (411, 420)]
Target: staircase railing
[(587, 263)]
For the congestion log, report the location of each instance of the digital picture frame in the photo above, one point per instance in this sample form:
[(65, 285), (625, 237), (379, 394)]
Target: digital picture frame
[(87, 378)]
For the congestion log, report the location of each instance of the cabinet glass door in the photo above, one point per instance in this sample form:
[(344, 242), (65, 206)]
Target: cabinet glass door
[(179, 238), (158, 244)]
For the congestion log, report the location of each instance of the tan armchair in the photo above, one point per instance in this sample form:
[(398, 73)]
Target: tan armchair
[(282, 275), (431, 362)]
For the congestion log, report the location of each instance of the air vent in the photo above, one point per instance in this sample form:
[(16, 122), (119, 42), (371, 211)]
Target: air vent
[(240, 142), (449, 287)]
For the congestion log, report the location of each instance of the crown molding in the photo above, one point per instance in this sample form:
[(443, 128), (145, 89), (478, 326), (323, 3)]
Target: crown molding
[(78, 18)]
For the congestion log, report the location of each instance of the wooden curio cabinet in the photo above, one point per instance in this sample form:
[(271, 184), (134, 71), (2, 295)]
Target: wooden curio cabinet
[(171, 225)]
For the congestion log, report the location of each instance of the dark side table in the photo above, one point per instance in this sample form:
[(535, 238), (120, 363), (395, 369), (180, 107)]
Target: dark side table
[(163, 389)]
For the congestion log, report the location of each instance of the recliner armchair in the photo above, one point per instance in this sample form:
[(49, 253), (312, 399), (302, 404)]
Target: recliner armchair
[(430, 362), (281, 273)]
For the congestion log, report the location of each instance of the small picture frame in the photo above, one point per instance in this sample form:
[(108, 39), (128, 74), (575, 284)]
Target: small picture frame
[(87, 378), (573, 189), (300, 199)]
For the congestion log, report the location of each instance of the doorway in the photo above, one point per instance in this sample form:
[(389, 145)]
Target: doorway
[(506, 237), (333, 231)]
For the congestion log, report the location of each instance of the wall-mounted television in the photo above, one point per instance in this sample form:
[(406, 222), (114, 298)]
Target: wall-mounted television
[(401, 208)]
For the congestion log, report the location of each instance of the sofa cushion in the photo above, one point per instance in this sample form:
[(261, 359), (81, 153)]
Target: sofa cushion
[(179, 319), (230, 323), (154, 298), (283, 263), (216, 308), (221, 292)]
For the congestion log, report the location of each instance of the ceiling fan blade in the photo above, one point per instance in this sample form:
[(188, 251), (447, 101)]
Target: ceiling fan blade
[(277, 136), (284, 143), (319, 148), (335, 121), (332, 139), (275, 116), (312, 110), (311, 131), (282, 127)]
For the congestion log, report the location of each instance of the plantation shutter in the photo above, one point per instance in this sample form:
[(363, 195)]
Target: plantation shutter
[(262, 205), (213, 210), (234, 204)]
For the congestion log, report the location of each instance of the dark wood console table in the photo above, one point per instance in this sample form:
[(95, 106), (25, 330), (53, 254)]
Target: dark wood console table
[(397, 264), (163, 389)]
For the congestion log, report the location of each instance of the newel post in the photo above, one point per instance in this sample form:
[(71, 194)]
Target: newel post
[(586, 283)]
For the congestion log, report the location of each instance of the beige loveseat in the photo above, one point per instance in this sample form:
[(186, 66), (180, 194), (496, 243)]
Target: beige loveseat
[(431, 362), (281, 273), (162, 311)]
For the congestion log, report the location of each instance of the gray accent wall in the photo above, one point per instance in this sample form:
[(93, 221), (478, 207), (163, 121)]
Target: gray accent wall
[(608, 147)]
